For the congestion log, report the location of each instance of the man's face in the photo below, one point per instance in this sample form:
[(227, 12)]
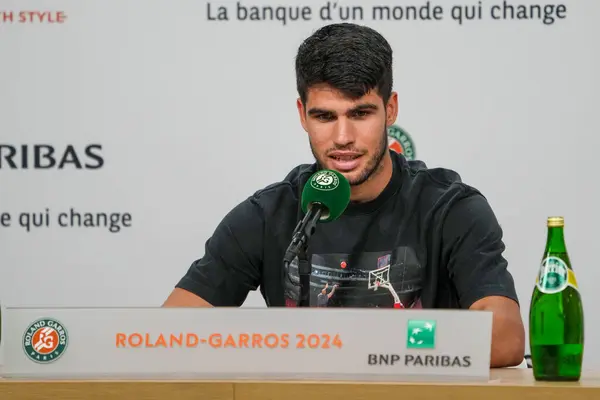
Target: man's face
[(349, 136)]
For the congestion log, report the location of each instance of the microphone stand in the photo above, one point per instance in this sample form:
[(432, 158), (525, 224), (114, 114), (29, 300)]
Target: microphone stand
[(304, 271), (304, 230)]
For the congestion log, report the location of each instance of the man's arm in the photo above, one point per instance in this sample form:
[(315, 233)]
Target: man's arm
[(231, 265), (508, 332), (473, 249), (332, 291), (182, 298)]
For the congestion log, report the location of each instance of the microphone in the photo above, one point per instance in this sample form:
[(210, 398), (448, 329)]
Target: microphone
[(325, 197)]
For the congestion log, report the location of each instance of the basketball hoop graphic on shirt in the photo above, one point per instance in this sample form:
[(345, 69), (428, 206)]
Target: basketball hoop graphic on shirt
[(380, 277)]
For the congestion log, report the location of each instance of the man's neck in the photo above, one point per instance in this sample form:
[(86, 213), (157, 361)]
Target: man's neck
[(376, 183)]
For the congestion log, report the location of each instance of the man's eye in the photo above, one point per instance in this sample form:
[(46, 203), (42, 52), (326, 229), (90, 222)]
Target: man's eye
[(360, 114), (324, 117)]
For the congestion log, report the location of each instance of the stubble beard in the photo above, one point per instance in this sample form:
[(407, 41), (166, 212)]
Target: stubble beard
[(373, 166)]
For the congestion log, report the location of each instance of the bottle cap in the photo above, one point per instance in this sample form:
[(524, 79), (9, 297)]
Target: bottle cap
[(556, 221)]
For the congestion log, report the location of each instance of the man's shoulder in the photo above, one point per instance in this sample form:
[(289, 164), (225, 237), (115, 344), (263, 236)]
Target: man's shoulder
[(288, 190), (434, 185), (438, 177)]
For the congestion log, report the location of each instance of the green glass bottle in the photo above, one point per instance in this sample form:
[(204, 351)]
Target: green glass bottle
[(556, 313)]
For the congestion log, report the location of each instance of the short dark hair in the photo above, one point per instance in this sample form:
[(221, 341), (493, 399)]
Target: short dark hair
[(351, 58)]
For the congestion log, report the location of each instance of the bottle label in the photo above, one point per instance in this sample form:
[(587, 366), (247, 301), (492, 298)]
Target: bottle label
[(555, 276)]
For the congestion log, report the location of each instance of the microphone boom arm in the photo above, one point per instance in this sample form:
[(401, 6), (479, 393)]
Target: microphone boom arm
[(304, 230)]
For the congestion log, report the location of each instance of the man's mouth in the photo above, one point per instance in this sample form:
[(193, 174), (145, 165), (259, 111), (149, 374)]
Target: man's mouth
[(345, 161), (344, 156)]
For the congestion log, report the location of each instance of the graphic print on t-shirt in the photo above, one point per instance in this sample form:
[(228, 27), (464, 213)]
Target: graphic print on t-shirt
[(372, 279)]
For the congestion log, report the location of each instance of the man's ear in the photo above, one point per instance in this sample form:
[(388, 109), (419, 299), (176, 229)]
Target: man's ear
[(301, 113), (391, 109)]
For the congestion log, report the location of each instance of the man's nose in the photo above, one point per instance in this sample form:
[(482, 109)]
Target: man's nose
[(343, 134)]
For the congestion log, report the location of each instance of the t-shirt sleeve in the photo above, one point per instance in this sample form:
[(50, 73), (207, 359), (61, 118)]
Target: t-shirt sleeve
[(232, 262), (473, 249)]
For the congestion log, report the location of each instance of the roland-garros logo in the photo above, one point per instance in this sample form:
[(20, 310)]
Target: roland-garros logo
[(325, 180), (45, 340), (400, 141)]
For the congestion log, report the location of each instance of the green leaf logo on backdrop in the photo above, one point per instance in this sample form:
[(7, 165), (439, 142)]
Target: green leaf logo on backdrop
[(420, 334), (400, 141)]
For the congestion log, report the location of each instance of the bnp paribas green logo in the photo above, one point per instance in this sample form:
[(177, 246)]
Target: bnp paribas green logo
[(420, 334)]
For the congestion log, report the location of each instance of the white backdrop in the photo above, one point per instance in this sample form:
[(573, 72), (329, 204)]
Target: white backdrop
[(193, 115)]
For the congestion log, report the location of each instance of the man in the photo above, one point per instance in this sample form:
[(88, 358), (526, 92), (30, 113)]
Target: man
[(323, 297), (439, 236)]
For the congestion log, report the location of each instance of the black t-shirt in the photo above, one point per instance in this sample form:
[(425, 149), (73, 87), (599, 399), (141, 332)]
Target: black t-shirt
[(428, 241)]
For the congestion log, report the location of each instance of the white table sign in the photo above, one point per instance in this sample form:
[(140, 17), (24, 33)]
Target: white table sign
[(225, 343)]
